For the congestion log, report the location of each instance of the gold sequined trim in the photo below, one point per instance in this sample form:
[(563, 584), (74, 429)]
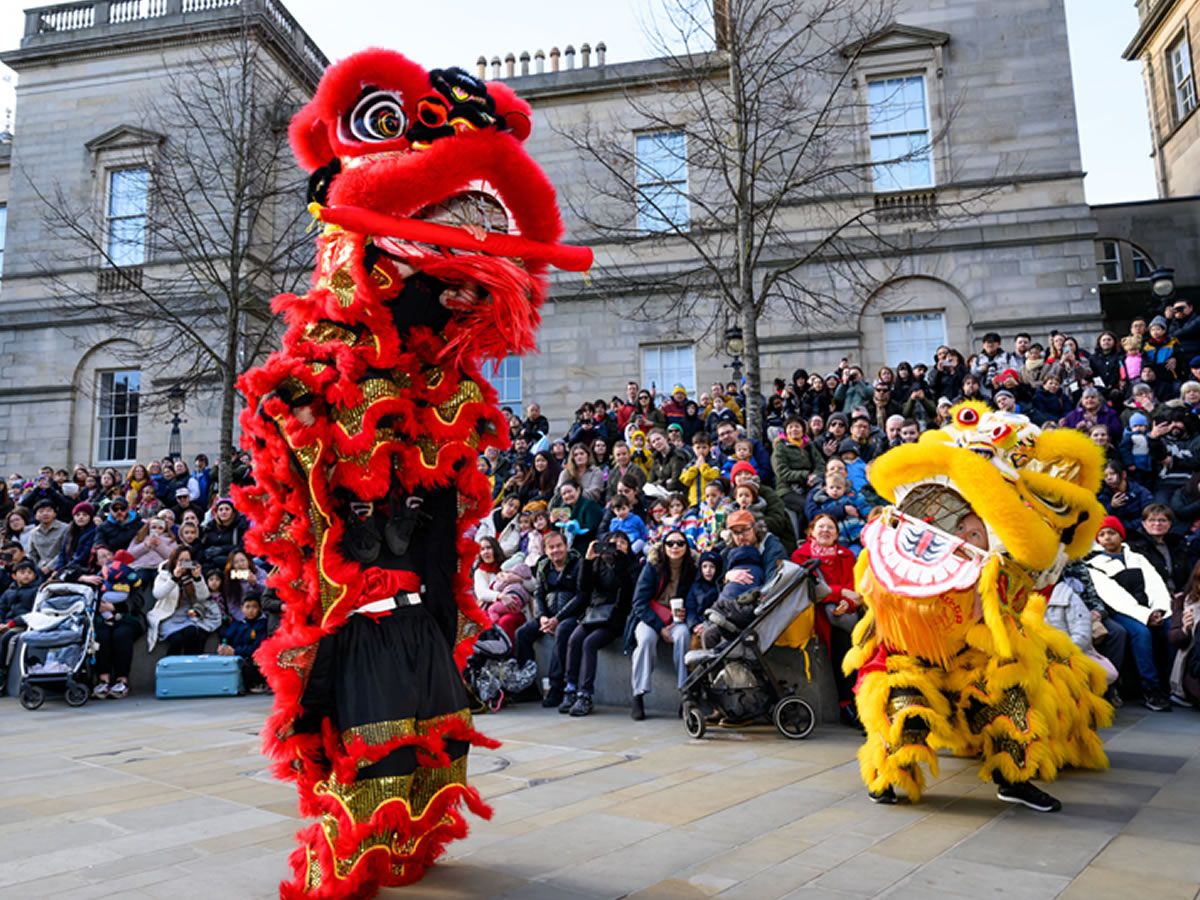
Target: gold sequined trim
[(362, 798), (341, 283), (324, 332), (468, 392), (373, 390)]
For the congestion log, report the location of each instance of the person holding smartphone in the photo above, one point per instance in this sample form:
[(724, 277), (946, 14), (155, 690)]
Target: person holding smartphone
[(184, 613)]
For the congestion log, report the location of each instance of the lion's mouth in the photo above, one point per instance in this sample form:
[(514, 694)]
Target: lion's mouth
[(915, 549), (478, 210)]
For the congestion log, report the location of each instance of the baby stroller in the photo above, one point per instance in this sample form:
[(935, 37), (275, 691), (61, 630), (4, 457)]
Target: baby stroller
[(56, 651), (491, 673), (736, 681)]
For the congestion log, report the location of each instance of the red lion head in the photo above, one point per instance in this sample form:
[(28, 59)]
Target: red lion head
[(430, 166)]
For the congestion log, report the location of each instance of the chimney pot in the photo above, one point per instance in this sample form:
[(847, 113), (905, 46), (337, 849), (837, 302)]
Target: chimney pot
[(481, 68), (570, 54), (510, 63), (601, 49), (524, 62), (495, 67), (553, 59), (539, 61)]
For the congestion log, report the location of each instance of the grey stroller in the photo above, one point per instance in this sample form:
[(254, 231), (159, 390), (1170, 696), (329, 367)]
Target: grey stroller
[(735, 679), (55, 652)]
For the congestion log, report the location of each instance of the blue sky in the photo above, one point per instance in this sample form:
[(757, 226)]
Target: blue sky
[(1114, 132)]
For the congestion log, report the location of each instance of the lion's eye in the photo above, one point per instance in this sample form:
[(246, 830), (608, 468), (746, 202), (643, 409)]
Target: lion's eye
[(1055, 506), (379, 116)]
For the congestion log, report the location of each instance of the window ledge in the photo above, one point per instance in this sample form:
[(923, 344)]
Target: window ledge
[(1179, 123), (906, 206), (116, 281)]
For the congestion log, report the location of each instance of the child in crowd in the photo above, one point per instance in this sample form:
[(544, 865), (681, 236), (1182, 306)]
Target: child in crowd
[(242, 639), (513, 585), (1102, 439), (1135, 450), (733, 609), (743, 451), (703, 593), (1050, 402), (856, 468), (1131, 366), (628, 522), (215, 579), (704, 522), (639, 453), (15, 602), (746, 496), (118, 578), (539, 527)]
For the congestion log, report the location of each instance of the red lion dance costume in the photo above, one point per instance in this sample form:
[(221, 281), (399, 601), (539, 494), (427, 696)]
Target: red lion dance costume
[(365, 429)]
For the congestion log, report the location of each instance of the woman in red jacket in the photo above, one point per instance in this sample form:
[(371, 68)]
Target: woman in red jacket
[(839, 612)]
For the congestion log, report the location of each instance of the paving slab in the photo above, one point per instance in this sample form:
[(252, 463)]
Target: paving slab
[(142, 798)]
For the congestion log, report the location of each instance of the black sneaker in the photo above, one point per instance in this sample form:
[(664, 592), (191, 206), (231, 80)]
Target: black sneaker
[(582, 706), (1028, 794), (553, 698), (637, 711), (568, 702), (1156, 702), (886, 797)]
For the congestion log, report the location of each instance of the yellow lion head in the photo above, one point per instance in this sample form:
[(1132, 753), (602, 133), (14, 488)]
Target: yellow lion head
[(969, 501)]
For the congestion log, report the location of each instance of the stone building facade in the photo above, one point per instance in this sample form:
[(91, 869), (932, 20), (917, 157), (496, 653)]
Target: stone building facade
[(1024, 261), (1166, 42), (995, 76), (88, 72)]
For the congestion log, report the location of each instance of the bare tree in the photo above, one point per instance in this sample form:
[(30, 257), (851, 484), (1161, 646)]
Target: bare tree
[(772, 207), (224, 229)]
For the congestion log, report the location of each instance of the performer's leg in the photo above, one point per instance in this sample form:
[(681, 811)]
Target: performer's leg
[(1015, 752), (899, 710)]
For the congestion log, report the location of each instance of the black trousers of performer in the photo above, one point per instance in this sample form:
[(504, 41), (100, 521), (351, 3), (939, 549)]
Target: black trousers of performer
[(398, 668)]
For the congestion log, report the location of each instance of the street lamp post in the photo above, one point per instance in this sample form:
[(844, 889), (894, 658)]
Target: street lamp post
[(1162, 286), (175, 400), (735, 345)]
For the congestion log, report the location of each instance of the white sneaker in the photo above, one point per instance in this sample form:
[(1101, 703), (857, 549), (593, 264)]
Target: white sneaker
[(1180, 701)]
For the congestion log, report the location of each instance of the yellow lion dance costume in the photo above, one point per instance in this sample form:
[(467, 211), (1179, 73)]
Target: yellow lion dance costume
[(953, 652)]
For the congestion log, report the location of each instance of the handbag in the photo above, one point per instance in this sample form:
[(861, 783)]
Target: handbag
[(599, 613)]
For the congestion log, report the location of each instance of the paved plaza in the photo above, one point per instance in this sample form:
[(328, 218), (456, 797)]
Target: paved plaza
[(143, 798)]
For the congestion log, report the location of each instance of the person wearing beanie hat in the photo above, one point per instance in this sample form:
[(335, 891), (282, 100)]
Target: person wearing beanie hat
[(675, 408), (773, 510), (223, 534), (1138, 600), (705, 590), (1005, 401), (740, 468), (81, 537), (1160, 353)]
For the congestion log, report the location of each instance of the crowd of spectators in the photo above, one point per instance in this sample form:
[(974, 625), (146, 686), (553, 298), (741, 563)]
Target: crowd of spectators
[(162, 550), (648, 512), (643, 500)]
